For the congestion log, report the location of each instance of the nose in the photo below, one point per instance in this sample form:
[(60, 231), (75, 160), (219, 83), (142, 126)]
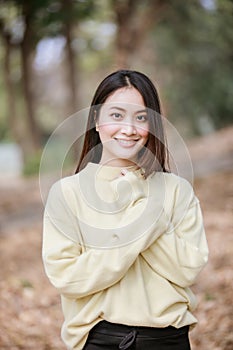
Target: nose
[(128, 129)]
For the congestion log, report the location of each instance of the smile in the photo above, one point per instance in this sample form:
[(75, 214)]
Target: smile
[(127, 143)]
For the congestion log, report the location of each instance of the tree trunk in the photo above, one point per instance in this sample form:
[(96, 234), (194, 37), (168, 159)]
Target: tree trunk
[(16, 130), (134, 19), (70, 57), (71, 73), (10, 89), (26, 49), (125, 13)]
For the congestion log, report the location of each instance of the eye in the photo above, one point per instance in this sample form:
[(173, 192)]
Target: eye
[(116, 116), (142, 118)]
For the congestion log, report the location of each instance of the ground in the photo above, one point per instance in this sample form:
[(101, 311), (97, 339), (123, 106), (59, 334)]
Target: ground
[(30, 314)]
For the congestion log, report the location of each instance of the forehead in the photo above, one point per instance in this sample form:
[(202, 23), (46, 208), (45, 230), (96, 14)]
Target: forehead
[(127, 97)]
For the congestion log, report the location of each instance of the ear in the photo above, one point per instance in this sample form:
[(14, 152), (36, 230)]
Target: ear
[(97, 127)]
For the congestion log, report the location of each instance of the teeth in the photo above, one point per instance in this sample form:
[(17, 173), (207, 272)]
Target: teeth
[(127, 142)]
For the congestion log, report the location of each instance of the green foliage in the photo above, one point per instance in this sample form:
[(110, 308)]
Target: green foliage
[(3, 122), (51, 15), (32, 165), (25, 283), (194, 46)]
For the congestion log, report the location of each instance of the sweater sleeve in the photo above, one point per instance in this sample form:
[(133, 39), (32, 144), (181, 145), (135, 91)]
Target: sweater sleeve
[(74, 271), (180, 254)]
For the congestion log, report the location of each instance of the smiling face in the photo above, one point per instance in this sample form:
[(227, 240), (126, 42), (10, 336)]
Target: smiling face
[(123, 127)]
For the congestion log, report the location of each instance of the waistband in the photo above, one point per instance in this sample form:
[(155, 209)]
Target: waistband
[(141, 331)]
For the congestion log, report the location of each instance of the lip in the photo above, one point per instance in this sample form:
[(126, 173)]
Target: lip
[(127, 142)]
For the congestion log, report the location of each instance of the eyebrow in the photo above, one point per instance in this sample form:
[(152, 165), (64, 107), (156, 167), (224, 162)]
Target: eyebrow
[(124, 110)]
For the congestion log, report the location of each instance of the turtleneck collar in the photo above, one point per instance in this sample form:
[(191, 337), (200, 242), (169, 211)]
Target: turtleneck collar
[(107, 172)]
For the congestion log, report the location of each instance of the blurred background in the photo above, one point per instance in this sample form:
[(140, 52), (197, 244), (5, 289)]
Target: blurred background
[(53, 54)]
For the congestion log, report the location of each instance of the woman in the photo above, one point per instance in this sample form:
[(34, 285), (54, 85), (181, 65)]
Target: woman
[(124, 238)]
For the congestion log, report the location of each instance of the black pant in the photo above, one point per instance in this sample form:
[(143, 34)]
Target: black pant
[(112, 336)]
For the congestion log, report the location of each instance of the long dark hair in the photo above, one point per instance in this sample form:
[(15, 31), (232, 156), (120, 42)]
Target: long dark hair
[(154, 155)]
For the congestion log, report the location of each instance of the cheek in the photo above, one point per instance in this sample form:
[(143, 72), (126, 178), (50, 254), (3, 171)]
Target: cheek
[(107, 130), (144, 132)]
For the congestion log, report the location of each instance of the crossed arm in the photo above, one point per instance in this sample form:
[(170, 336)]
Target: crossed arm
[(178, 254)]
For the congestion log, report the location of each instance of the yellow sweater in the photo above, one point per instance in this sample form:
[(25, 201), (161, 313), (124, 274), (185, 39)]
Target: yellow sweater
[(123, 249)]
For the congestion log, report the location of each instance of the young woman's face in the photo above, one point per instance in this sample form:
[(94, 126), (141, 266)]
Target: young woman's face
[(123, 127)]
